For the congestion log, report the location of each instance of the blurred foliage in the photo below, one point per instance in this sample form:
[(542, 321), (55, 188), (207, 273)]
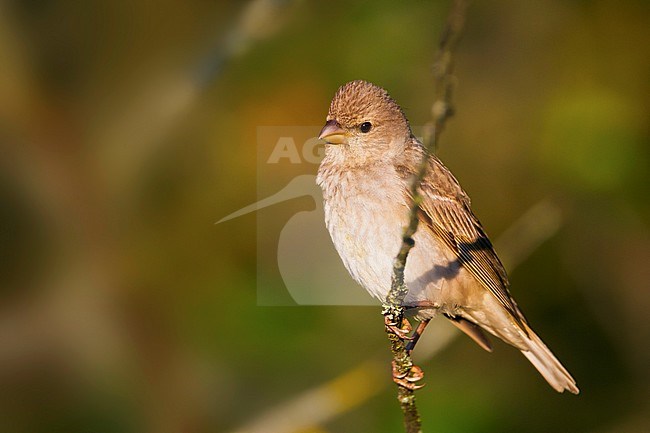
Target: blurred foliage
[(128, 128)]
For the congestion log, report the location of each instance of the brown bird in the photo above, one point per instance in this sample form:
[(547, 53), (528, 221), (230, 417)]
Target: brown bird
[(370, 159)]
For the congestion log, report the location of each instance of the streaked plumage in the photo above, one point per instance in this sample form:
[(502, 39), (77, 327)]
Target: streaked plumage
[(369, 162)]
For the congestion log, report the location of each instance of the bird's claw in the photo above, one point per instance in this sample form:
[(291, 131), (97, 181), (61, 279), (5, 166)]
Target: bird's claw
[(408, 379), (403, 331), (414, 374)]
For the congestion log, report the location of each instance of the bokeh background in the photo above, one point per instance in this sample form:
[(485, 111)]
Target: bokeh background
[(128, 128)]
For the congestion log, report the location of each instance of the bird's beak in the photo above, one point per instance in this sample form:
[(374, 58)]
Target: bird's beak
[(332, 133)]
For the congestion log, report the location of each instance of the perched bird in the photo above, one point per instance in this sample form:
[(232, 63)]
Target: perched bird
[(371, 156)]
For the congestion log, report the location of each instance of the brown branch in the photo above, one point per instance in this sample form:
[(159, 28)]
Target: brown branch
[(442, 109)]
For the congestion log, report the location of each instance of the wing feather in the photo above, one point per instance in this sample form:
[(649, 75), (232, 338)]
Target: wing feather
[(446, 210)]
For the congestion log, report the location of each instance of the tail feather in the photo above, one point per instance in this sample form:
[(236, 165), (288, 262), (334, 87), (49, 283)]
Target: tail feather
[(494, 319), (472, 330), (547, 364)]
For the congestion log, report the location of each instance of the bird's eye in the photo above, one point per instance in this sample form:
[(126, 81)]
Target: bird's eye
[(365, 127)]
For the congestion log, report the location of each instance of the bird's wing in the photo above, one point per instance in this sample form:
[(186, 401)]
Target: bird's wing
[(446, 210)]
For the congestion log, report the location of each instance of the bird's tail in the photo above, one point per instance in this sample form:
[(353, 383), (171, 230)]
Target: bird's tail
[(547, 364)]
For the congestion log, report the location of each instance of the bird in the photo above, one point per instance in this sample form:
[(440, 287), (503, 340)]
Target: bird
[(371, 158)]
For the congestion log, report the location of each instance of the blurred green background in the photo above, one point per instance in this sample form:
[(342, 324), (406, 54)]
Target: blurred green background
[(128, 128)]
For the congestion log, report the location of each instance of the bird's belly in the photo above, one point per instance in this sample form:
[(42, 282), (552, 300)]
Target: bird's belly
[(368, 240)]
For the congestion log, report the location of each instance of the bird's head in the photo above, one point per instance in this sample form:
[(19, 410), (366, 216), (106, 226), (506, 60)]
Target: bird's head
[(365, 124)]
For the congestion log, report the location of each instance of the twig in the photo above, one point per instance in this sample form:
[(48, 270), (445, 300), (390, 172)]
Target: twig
[(441, 110)]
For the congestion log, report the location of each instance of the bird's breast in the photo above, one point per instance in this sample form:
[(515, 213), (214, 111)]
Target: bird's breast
[(365, 226), (365, 215)]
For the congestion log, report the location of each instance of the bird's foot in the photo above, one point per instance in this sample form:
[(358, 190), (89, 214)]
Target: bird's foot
[(402, 331), (408, 380)]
